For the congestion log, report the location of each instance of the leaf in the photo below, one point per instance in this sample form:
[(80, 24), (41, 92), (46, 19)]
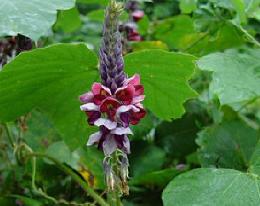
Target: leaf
[(234, 72), (213, 187), (179, 33), (91, 162), (228, 145), (165, 77), (40, 132), (174, 30), (227, 36), (68, 21), (255, 160), (141, 163), (144, 45), (188, 6), (239, 6), (177, 138), (60, 151), (26, 200), (50, 79), (158, 178), (31, 18)]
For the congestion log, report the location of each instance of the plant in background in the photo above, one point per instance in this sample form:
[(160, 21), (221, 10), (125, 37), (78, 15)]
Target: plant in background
[(114, 104), (130, 29), (12, 46)]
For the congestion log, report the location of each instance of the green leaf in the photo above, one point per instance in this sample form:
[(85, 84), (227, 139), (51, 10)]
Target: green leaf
[(141, 163), (228, 145), (234, 72), (176, 30), (208, 187), (179, 33), (255, 160), (165, 77), (60, 151), (26, 200), (239, 6), (31, 18), (158, 178), (91, 162), (40, 132), (50, 79), (144, 45), (188, 6), (178, 132), (68, 21)]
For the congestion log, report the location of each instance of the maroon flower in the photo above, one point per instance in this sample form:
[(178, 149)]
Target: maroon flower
[(137, 15), (109, 106), (125, 94)]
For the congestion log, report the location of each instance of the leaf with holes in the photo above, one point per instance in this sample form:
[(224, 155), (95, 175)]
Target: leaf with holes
[(31, 18)]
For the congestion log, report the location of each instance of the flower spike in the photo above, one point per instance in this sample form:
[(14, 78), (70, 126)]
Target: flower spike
[(114, 104)]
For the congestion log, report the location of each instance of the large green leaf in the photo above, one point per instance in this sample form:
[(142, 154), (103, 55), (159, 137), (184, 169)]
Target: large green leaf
[(236, 75), (229, 145), (165, 77), (50, 79), (31, 18), (213, 187)]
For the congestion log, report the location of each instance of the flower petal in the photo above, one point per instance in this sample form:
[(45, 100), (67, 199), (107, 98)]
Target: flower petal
[(105, 122), (94, 138), (87, 97), (126, 144), (109, 145), (121, 131), (134, 80), (97, 87), (89, 107), (138, 99), (126, 108)]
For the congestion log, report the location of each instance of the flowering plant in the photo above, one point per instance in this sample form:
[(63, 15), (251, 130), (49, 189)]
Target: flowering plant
[(114, 104)]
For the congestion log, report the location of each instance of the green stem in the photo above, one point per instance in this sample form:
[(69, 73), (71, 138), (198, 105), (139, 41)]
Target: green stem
[(114, 196), (75, 177), (9, 136)]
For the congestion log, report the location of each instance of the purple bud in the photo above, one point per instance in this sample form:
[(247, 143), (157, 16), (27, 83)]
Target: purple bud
[(111, 57)]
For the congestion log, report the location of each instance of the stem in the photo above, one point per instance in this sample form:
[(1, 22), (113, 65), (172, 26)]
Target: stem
[(9, 136), (75, 177), (114, 196)]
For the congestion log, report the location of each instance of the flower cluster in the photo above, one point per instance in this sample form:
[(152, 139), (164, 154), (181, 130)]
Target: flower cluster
[(113, 113), (114, 104)]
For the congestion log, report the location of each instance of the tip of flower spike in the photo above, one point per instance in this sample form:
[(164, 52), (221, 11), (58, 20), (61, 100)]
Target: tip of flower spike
[(116, 6)]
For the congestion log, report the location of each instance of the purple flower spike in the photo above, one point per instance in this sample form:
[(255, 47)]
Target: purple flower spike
[(113, 105)]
